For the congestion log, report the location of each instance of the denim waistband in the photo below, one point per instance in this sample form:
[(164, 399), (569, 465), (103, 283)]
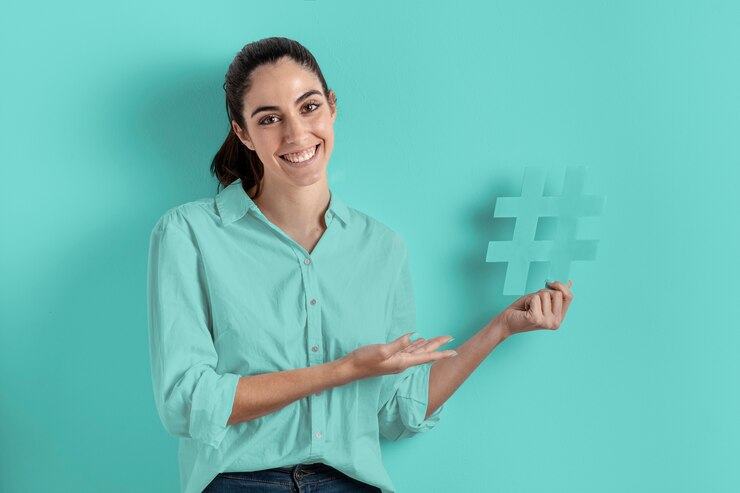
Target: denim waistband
[(315, 467)]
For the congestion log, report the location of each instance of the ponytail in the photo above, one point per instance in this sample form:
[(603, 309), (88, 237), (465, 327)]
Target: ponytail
[(235, 160)]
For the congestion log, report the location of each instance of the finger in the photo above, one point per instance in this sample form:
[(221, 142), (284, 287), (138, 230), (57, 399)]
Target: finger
[(403, 341), (567, 296), (567, 293), (557, 304), (428, 344), (535, 310), (421, 358), (432, 344), (557, 285), (547, 306), (415, 345)]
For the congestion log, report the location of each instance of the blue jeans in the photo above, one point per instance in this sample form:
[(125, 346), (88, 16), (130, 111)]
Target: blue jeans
[(302, 478)]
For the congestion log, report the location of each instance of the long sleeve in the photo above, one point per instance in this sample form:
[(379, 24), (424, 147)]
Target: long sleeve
[(404, 396), (193, 400)]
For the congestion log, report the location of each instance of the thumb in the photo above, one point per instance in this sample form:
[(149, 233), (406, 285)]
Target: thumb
[(521, 303), (404, 340)]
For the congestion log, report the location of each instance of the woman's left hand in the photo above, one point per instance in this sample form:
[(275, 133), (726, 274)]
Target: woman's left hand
[(543, 309)]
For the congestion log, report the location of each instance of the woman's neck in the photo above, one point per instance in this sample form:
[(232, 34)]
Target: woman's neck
[(299, 210)]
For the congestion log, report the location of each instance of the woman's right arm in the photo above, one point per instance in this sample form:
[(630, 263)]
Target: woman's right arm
[(259, 395)]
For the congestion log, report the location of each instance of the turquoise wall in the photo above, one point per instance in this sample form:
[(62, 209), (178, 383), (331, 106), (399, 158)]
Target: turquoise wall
[(111, 112)]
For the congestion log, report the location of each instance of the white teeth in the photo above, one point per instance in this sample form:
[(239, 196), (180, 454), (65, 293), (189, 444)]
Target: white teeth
[(300, 157)]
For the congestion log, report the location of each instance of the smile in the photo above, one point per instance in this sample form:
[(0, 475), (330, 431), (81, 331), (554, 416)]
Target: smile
[(301, 158)]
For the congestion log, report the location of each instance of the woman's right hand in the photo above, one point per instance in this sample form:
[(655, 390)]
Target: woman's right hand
[(395, 356)]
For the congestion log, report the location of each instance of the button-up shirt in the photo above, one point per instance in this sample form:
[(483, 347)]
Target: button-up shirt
[(231, 295)]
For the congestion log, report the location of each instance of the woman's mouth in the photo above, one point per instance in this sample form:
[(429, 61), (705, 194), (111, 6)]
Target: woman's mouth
[(303, 158)]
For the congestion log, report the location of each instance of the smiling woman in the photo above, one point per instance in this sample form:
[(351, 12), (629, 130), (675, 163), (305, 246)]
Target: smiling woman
[(279, 316)]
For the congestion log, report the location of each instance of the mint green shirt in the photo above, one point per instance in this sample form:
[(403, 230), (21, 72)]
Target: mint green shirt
[(230, 294)]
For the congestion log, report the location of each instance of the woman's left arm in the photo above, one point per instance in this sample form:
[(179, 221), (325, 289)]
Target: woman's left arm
[(544, 309)]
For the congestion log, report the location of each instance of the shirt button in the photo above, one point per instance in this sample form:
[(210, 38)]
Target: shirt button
[(328, 215), (307, 261), (313, 301), (318, 434), (318, 394), (315, 348)]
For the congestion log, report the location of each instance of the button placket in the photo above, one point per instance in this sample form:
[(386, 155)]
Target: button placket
[(316, 353)]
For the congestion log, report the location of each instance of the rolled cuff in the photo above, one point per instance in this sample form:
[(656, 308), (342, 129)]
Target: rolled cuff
[(207, 411), (403, 415), (213, 402)]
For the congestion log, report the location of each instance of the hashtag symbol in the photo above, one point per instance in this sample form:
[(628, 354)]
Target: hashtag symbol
[(527, 209)]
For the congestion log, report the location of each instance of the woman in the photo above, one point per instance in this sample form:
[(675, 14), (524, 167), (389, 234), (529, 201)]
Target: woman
[(280, 318)]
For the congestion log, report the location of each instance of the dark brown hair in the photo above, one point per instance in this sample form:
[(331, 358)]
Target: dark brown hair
[(235, 160)]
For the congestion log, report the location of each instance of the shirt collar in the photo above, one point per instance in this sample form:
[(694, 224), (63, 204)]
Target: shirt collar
[(233, 203)]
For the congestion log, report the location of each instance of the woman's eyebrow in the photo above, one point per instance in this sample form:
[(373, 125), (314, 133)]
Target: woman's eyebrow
[(275, 108)]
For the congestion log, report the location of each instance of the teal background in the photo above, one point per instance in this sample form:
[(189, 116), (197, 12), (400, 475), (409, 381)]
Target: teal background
[(110, 114)]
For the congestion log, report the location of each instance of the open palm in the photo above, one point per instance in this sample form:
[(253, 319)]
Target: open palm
[(396, 356)]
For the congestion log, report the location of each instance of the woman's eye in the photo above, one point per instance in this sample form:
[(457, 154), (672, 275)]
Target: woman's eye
[(265, 121)]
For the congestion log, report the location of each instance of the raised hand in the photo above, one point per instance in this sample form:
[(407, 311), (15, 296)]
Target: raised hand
[(543, 309)]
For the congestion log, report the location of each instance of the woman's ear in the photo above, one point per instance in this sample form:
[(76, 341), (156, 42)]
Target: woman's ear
[(242, 134), (333, 103)]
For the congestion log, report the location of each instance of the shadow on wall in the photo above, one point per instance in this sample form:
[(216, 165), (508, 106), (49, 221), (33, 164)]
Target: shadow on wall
[(171, 121)]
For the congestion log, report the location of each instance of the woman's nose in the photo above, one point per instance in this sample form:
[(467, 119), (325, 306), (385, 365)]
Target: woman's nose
[(295, 131)]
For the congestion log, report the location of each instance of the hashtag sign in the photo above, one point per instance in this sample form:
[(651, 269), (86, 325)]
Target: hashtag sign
[(560, 251)]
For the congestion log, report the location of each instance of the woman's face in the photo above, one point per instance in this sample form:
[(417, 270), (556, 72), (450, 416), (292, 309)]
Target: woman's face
[(286, 112)]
